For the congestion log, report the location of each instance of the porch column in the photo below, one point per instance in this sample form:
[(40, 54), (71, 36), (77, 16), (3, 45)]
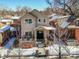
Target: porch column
[(45, 36), (35, 39), (55, 39)]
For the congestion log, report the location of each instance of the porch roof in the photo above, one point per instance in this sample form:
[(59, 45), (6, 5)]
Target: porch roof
[(45, 27)]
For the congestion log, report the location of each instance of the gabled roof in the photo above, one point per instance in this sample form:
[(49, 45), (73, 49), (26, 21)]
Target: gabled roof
[(35, 13)]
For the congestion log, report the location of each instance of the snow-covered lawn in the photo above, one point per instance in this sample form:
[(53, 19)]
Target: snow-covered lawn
[(52, 50), (65, 50), (17, 51)]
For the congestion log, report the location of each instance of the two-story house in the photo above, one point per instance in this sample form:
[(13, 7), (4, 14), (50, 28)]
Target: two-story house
[(34, 28)]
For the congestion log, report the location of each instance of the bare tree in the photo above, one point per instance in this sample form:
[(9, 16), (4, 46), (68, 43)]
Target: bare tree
[(47, 11), (69, 6), (22, 10)]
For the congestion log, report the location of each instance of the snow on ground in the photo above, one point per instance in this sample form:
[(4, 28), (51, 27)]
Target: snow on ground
[(53, 50), (17, 51), (65, 50), (3, 51), (31, 51)]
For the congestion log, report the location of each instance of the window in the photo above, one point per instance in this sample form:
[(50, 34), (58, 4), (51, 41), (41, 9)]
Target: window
[(71, 33), (77, 23), (28, 35), (44, 20), (50, 17), (28, 21), (39, 20)]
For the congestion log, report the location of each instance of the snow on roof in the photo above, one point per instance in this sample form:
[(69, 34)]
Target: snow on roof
[(55, 17), (45, 27), (5, 20), (16, 17), (48, 28), (77, 19), (4, 28)]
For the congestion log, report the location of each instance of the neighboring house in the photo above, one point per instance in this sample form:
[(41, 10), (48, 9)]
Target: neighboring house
[(6, 21), (17, 24), (35, 27), (75, 31), (15, 27), (73, 28)]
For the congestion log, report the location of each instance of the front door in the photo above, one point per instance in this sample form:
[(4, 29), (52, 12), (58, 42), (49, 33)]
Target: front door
[(40, 36)]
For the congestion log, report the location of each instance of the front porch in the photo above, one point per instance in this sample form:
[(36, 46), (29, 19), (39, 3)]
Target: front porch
[(42, 34)]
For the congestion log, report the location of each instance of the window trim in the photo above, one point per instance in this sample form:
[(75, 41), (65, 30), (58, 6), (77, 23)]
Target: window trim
[(39, 20), (44, 20), (28, 35), (29, 21)]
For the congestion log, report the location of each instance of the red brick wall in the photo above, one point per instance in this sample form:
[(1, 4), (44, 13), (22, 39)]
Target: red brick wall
[(27, 44), (77, 35)]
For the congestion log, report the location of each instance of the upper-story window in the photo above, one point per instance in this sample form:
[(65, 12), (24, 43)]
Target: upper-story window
[(28, 21), (50, 17), (44, 20), (39, 20)]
